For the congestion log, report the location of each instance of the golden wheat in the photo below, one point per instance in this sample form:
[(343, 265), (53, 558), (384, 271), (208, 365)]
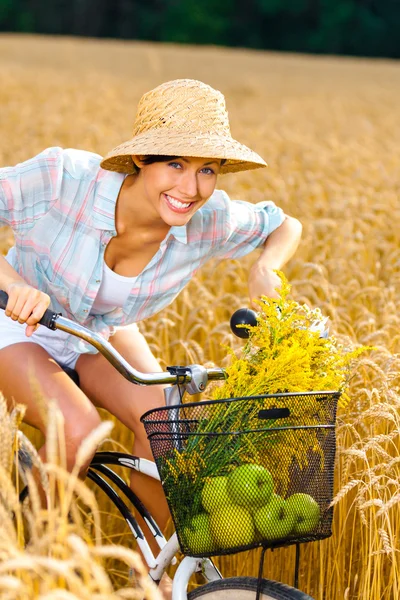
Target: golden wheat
[(329, 130), (49, 552)]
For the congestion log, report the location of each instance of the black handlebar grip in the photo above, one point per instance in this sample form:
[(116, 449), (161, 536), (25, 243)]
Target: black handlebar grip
[(3, 300), (243, 316), (48, 320)]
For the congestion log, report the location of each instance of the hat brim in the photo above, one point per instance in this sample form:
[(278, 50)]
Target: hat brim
[(238, 157)]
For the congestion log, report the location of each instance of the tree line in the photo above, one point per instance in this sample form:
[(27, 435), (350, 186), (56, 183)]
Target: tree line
[(351, 27)]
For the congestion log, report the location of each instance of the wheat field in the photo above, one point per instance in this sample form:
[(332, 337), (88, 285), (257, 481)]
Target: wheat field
[(330, 132)]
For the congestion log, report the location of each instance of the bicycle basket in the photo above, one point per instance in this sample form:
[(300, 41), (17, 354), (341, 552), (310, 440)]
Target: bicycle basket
[(247, 472)]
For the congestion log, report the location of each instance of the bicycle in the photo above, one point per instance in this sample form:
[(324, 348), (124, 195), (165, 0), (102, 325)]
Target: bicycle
[(169, 426)]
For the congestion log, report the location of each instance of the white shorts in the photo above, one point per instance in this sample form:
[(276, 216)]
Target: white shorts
[(12, 332)]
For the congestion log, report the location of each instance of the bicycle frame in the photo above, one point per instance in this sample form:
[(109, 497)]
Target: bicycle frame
[(192, 379), (168, 549)]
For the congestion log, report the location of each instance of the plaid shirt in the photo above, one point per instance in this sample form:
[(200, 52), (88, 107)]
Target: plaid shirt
[(61, 207)]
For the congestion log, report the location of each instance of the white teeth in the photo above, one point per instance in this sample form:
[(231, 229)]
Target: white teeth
[(176, 203)]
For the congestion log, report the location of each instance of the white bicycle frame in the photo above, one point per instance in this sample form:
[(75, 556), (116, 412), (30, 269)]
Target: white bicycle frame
[(158, 564), (168, 549)]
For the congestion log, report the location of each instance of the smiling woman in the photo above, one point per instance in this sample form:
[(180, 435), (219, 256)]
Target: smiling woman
[(210, 168), (110, 242), (184, 204), (182, 185)]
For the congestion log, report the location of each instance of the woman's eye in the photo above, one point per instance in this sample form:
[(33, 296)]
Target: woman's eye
[(206, 170)]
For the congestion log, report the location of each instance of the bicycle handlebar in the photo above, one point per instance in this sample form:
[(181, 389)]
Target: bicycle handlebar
[(53, 320)]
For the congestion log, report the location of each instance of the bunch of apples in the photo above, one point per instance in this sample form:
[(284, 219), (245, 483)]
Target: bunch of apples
[(242, 508)]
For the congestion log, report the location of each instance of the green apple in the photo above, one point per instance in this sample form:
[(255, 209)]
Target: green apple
[(231, 527), (306, 512), (250, 485), (253, 508), (215, 494), (273, 520), (198, 535)]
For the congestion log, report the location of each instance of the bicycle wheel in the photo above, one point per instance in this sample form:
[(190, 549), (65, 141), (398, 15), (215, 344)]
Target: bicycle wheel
[(245, 588)]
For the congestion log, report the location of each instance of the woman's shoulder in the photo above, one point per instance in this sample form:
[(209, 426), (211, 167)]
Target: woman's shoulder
[(76, 161), (80, 163), (73, 162)]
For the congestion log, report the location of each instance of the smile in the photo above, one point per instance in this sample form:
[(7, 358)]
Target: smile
[(177, 205)]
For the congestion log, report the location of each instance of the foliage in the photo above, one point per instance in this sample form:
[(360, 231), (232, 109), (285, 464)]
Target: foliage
[(323, 26)]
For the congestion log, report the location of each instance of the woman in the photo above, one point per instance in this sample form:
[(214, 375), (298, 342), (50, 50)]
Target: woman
[(110, 242)]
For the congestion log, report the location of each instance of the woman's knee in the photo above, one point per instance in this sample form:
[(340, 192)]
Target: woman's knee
[(76, 431)]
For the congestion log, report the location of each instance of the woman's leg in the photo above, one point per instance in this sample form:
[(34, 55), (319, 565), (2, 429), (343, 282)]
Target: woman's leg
[(21, 362), (110, 390)]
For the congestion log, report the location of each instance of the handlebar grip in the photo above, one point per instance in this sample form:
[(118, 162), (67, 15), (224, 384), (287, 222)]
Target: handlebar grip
[(243, 316), (48, 320), (3, 300)]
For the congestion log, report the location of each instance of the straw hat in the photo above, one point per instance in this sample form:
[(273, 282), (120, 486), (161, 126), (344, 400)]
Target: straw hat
[(183, 117)]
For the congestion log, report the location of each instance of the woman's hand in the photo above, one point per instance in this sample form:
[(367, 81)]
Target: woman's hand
[(263, 281), (26, 305), (279, 247)]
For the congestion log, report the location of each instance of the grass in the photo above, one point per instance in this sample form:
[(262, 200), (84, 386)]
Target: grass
[(329, 130)]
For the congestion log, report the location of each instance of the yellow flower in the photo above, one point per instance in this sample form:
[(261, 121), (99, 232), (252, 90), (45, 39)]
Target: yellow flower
[(284, 355)]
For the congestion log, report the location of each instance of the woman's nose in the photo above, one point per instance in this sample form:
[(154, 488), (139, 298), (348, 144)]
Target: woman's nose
[(188, 185)]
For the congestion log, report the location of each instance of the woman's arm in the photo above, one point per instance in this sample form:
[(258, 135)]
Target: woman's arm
[(280, 246), (8, 275)]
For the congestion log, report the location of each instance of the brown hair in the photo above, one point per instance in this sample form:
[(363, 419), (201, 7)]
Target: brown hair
[(153, 158)]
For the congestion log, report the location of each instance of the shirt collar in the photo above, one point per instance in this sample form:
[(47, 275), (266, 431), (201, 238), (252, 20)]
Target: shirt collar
[(108, 186), (179, 232)]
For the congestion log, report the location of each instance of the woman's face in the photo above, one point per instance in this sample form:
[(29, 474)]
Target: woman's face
[(176, 189)]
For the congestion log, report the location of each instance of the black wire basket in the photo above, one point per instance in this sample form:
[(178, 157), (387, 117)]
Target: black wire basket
[(247, 472)]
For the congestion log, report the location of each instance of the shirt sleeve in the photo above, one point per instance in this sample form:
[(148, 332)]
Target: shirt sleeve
[(28, 189), (244, 226)]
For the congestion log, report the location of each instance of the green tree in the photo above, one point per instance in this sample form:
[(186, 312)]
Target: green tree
[(355, 27)]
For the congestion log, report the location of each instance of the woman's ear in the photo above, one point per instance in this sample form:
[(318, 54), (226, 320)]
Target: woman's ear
[(138, 161)]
